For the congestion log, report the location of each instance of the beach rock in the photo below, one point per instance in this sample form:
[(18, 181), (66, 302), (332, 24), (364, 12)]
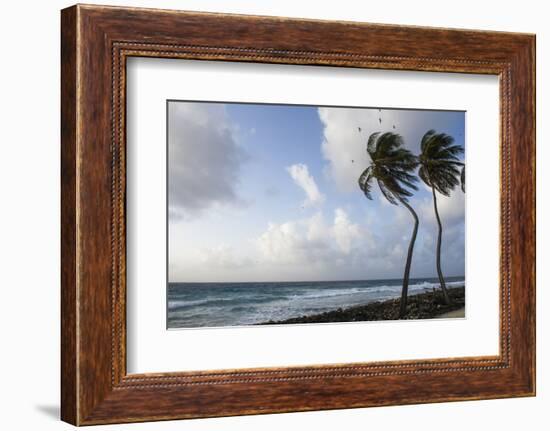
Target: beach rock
[(421, 306)]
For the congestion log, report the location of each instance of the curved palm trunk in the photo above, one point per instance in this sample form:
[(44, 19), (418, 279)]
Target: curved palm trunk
[(438, 253), (405, 289)]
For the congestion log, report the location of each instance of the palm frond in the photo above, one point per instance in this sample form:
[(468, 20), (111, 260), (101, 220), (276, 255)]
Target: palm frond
[(387, 143), (439, 161), (453, 151), (392, 165), (424, 175), (426, 139), (386, 192), (371, 144), (365, 182)]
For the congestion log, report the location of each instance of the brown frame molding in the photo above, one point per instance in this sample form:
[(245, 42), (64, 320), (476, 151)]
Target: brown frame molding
[(95, 43)]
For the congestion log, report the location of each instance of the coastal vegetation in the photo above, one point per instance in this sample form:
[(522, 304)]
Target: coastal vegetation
[(442, 170), (396, 170)]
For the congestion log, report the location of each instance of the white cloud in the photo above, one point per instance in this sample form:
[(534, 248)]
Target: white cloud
[(204, 158), (282, 243), (344, 231), (300, 174), (224, 256), (322, 247), (344, 146), (311, 241)]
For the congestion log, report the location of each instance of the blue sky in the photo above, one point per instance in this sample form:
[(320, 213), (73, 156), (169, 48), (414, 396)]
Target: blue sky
[(269, 193)]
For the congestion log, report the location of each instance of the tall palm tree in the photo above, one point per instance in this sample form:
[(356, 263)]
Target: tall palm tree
[(442, 170), (392, 167)]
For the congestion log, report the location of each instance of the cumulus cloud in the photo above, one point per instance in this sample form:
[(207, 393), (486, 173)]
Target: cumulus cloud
[(300, 249), (204, 162), (311, 240), (344, 231), (322, 248), (300, 174), (326, 247)]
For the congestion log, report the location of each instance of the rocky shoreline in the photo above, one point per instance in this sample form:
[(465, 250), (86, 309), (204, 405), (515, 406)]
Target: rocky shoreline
[(421, 306)]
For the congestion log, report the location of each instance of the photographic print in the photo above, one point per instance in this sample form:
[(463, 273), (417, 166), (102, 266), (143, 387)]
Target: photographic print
[(294, 214)]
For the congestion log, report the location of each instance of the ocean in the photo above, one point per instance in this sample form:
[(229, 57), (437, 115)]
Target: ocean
[(195, 305)]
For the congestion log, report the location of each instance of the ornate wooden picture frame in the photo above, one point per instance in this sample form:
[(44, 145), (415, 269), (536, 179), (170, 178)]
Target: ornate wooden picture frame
[(96, 41)]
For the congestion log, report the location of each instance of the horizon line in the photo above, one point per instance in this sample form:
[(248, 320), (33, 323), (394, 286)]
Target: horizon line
[(312, 281)]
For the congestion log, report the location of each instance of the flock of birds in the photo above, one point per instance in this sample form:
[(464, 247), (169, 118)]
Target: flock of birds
[(360, 130), (379, 121)]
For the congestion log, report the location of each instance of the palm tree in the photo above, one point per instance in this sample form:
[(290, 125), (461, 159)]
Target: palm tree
[(442, 170), (392, 167)]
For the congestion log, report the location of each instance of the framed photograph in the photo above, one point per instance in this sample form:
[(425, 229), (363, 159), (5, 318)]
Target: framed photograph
[(265, 215)]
